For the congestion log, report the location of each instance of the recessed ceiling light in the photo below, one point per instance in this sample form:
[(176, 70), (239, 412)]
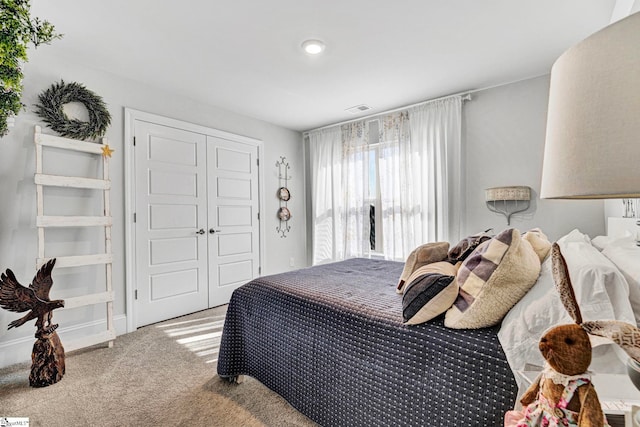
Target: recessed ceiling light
[(313, 47)]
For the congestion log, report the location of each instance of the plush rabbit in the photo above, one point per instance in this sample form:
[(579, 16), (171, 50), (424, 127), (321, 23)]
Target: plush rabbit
[(563, 394)]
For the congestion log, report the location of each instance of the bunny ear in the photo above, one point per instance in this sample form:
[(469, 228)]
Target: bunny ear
[(625, 335), (563, 284)]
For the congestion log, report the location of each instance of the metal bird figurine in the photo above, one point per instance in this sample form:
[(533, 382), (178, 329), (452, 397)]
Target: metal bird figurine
[(17, 298)]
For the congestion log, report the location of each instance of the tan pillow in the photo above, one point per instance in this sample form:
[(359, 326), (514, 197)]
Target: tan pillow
[(430, 291), (422, 255), (539, 241), (492, 280)]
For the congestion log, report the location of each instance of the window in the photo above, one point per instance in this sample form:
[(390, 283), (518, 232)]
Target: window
[(382, 186)]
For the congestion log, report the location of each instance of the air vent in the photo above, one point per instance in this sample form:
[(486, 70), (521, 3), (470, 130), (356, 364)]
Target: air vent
[(358, 109)]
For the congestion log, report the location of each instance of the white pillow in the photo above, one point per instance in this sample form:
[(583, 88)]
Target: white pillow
[(602, 293), (601, 242), (625, 254), (574, 235)]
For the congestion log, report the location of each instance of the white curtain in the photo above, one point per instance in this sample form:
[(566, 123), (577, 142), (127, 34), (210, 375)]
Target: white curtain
[(325, 149), (436, 129), (339, 170), (355, 184), (400, 211), (419, 177)]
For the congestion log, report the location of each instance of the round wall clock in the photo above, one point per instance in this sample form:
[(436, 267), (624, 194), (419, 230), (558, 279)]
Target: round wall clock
[(284, 214), (284, 194)]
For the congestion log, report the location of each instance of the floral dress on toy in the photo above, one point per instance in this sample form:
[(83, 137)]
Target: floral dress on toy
[(544, 413)]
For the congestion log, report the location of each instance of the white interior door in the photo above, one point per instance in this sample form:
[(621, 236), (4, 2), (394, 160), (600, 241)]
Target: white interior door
[(233, 216), (171, 222)]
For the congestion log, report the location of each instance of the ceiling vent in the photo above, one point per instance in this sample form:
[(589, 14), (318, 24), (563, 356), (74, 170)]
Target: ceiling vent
[(358, 109)]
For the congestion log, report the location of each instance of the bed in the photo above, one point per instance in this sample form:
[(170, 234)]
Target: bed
[(330, 340)]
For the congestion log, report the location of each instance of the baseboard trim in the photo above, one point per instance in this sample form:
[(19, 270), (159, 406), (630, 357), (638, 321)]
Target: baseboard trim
[(19, 349)]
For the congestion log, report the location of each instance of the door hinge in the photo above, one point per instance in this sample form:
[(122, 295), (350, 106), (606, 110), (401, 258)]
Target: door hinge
[(135, 217), (258, 162), (135, 294), (134, 141), (259, 270), (258, 216)]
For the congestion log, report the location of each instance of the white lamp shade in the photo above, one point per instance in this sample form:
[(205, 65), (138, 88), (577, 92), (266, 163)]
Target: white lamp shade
[(592, 147)]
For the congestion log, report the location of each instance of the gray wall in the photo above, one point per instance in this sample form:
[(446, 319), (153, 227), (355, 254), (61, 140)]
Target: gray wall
[(503, 137), (18, 235)]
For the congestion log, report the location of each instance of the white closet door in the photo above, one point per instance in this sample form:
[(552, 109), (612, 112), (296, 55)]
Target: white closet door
[(171, 222), (233, 216)]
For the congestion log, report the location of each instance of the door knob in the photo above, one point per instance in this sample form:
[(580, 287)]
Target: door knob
[(201, 231), (212, 231)]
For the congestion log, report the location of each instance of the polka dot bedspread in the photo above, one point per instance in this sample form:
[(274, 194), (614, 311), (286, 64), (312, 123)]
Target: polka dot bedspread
[(330, 340)]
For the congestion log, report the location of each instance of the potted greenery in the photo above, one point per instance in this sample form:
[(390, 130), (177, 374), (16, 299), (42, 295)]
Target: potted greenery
[(17, 30)]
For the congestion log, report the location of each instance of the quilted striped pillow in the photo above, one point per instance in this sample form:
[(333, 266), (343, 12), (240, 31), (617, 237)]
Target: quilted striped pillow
[(492, 280), (430, 291)]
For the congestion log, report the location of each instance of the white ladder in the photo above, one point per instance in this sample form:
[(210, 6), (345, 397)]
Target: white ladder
[(45, 221)]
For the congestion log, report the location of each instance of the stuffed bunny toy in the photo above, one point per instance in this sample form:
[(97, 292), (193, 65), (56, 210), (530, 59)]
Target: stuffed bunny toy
[(563, 394)]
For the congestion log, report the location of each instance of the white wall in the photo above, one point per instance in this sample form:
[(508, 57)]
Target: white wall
[(613, 207), (503, 137), (18, 235)]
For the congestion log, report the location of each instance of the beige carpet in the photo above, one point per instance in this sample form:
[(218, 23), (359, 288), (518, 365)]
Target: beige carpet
[(163, 374)]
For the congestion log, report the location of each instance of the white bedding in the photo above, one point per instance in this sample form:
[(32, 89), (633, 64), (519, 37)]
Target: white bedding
[(602, 293), (625, 254)]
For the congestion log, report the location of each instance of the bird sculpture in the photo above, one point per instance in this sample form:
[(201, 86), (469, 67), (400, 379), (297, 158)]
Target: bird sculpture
[(47, 356), (17, 298)]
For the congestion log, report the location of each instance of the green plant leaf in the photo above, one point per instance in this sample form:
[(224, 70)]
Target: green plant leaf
[(17, 30)]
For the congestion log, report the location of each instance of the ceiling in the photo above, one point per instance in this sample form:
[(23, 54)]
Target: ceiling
[(245, 55)]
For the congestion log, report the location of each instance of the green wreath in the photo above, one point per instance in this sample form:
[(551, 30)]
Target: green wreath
[(50, 110)]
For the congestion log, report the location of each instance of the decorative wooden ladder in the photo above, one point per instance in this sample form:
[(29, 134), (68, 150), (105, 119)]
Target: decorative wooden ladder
[(45, 221)]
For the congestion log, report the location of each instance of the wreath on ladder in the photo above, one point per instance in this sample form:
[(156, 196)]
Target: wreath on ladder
[(50, 109)]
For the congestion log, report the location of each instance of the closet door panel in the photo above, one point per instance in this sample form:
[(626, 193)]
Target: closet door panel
[(171, 209), (232, 178)]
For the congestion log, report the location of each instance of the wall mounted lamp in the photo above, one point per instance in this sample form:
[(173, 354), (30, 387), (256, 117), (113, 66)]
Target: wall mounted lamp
[(508, 200)]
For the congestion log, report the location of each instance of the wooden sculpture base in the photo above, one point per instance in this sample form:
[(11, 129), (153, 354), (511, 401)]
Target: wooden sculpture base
[(47, 360)]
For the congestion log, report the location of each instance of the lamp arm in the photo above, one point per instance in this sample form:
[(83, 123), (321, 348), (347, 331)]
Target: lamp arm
[(491, 205)]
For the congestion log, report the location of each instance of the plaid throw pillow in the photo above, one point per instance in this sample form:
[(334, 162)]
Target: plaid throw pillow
[(466, 246), (492, 280)]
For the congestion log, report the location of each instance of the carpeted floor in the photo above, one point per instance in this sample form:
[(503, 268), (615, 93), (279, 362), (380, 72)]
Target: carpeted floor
[(163, 374)]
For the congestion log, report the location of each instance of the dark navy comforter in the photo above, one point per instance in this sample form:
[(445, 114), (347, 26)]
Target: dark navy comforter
[(330, 340)]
